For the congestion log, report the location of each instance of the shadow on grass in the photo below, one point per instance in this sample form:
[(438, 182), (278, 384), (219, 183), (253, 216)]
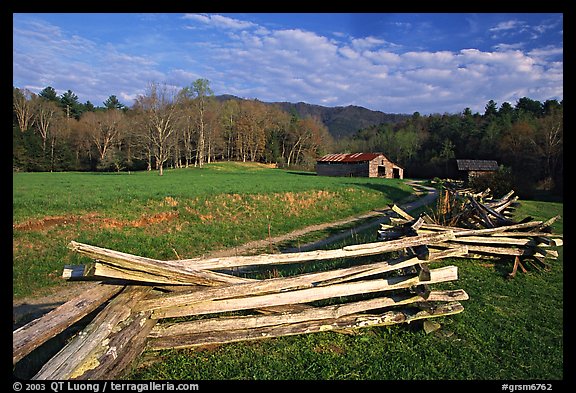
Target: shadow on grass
[(392, 192), (302, 173)]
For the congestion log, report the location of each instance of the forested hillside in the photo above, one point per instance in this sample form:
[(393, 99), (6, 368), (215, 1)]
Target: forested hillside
[(525, 139), (173, 128), (341, 121)]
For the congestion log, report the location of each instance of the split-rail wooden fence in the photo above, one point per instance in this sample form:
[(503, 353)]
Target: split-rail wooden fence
[(149, 304)]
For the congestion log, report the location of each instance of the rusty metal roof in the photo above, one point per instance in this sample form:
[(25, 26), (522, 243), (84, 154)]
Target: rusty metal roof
[(354, 157), (477, 165)]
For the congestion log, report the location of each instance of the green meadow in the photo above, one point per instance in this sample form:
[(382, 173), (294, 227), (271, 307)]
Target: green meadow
[(185, 213), (511, 329)]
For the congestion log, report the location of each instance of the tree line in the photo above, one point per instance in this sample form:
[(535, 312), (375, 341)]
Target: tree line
[(526, 140), (165, 127), (170, 127)]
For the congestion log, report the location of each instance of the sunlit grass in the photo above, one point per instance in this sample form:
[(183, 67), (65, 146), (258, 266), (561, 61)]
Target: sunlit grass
[(183, 214)]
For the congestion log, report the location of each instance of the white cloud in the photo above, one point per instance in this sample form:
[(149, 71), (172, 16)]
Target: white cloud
[(507, 25), (295, 65), (502, 47), (367, 42), (220, 21)]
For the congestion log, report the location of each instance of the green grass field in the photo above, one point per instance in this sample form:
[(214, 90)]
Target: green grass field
[(510, 329), (185, 213)]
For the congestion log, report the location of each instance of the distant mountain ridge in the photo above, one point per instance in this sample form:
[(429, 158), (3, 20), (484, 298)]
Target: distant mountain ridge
[(341, 121)]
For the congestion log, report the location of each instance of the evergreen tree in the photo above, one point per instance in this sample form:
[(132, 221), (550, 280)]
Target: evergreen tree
[(70, 104), (113, 103), (49, 94)]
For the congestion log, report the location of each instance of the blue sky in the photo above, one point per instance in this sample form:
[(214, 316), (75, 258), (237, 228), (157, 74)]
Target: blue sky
[(395, 63)]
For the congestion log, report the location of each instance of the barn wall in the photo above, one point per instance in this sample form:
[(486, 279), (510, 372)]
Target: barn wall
[(360, 169), (373, 168), (472, 174)]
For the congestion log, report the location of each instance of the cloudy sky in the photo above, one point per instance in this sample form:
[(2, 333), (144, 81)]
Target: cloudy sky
[(395, 63)]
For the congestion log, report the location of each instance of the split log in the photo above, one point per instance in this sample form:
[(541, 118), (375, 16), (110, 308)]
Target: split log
[(501, 240), (484, 231), (314, 313), (70, 360), (284, 284), (346, 322), (147, 269), (514, 251), (396, 209), (114, 357), (32, 335), (102, 271), (447, 273), (362, 250)]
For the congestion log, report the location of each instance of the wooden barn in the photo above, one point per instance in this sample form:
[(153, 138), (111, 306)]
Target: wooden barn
[(475, 168), (358, 165)]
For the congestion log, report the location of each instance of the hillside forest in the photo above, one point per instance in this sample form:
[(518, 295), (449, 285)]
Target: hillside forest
[(176, 128)]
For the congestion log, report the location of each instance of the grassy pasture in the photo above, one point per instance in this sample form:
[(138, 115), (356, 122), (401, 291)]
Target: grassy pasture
[(185, 213), (511, 329)]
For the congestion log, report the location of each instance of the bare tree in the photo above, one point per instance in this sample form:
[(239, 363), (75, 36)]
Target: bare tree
[(229, 115), (23, 107), (159, 111), (548, 143), (201, 88), (103, 128), (185, 123), (46, 113)]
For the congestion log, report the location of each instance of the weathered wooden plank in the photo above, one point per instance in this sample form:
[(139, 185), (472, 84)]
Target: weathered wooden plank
[(548, 223), (543, 237), (487, 222), (447, 273), (446, 253), (32, 335), (164, 271), (501, 206), (69, 360), (520, 251), (345, 252), (501, 219), (284, 283), (103, 270), (111, 359), (458, 232), (398, 210), (347, 322), (501, 240), (315, 313)]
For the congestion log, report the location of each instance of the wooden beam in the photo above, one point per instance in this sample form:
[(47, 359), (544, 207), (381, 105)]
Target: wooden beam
[(396, 209), (355, 321), (315, 313), (32, 335), (307, 256), (148, 269), (114, 357), (70, 360), (447, 273)]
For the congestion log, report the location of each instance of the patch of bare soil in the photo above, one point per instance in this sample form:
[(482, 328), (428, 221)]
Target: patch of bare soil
[(93, 218), (50, 221)]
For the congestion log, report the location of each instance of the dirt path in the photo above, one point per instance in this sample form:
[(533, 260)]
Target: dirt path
[(27, 309)]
